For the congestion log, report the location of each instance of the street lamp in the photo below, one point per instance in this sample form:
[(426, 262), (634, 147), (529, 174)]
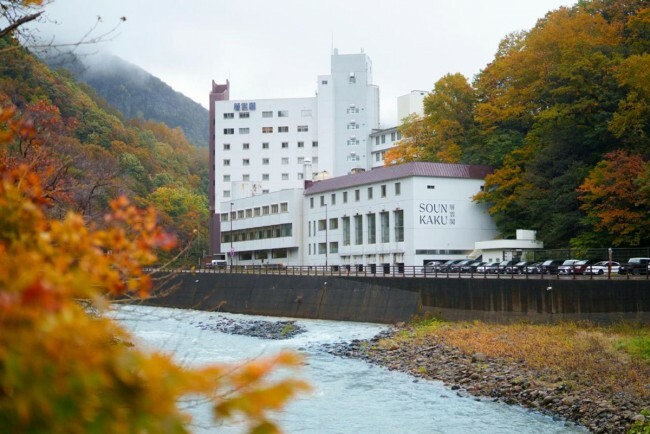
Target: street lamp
[(326, 229), (232, 249)]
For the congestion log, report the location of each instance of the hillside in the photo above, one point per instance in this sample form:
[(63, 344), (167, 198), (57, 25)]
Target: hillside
[(138, 94), (87, 155)]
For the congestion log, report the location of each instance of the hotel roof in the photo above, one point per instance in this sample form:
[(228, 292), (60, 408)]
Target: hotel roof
[(398, 171)]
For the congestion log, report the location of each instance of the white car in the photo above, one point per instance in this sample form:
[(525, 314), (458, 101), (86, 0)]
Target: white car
[(601, 267)]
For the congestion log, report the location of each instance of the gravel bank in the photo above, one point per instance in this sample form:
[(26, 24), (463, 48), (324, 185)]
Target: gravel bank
[(511, 382)]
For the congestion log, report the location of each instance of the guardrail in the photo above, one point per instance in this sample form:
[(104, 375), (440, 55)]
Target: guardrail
[(400, 271)]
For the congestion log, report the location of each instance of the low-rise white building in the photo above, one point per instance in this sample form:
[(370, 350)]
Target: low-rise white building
[(404, 214)]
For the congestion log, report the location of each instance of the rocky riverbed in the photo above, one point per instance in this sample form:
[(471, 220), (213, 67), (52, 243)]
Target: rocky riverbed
[(512, 382), (256, 328)]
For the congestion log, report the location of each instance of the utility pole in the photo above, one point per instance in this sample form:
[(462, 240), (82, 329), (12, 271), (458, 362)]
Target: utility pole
[(232, 249), (326, 230)]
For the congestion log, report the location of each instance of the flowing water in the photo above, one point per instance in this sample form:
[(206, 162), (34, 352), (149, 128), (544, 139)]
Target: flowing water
[(349, 396)]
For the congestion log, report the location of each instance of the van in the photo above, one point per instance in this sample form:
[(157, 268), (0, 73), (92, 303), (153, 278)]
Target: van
[(635, 266)]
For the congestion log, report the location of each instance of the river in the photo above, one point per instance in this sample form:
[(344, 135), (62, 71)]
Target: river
[(349, 396)]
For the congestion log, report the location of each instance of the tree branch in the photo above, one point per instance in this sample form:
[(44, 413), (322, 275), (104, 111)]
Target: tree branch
[(13, 26)]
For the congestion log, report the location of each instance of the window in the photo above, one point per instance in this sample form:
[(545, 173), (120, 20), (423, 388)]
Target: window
[(224, 217), (226, 193), (376, 140), (283, 129), (285, 176), (285, 145), (353, 156), (398, 188), (334, 246), (301, 144), (265, 145), (310, 248), (301, 175), (333, 199), (267, 130), (383, 191), (353, 142), (303, 128), (358, 229), (275, 208), (377, 156), (226, 146), (399, 225), (311, 202), (246, 161), (283, 113), (372, 236), (228, 131), (246, 177), (226, 178), (383, 138), (357, 195), (228, 115), (265, 176), (265, 161), (267, 114), (345, 197), (305, 113), (244, 115), (265, 191), (226, 162), (314, 144), (240, 214), (385, 232), (256, 211), (323, 82), (265, 210), (322, 247), (369, 193), (353, 125), (246, 145), (334, 223), (392, 136), (322, 201), (399, 136), (284, 207), (322, 225), (345, 221), (301, 160), (285, 160), (352, 79), (314, 160), (352, 109), (244, 131), (249, 213)]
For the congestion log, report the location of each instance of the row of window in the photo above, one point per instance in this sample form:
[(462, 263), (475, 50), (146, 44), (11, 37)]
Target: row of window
[(395, 135), (267, 145), (263, 254), (265, 130), (370, 230), (357, 194), (267, 161), (261, 233), (255, 212), (305, 113)]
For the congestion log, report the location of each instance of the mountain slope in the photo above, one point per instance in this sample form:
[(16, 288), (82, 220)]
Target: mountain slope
[(138, 94)]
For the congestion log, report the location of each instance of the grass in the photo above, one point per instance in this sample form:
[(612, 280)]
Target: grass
[(612, 359)]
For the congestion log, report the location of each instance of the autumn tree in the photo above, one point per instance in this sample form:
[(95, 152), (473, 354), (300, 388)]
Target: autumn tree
[(616, 199), (64, 369)]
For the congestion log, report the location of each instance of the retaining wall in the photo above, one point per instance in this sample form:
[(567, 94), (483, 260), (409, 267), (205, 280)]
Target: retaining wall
[(389, 299)]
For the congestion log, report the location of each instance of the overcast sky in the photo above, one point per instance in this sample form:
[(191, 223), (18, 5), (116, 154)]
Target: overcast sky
[(275, 49)]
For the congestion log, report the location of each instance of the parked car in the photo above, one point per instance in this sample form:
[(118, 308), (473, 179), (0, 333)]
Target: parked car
[(635, 266), (517, 268), (501, 267), (430, 267), (534, 268), (567, 266), (446, 267), (581, 266), (601, 267), (456, 268), (487, 268), (550, 266), (471, 267)]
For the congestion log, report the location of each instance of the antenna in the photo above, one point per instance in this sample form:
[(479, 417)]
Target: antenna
[(332, 42)]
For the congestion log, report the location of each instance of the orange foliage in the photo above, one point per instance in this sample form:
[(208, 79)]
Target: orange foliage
[(65, 370)]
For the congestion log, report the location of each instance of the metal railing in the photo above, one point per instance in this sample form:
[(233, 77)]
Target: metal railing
[(410, 271)]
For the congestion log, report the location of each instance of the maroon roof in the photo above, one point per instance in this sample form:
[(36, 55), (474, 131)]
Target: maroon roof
[(386, 173)]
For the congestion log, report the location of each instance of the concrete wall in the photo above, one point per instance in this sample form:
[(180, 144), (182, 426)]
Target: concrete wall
[(389, 300)]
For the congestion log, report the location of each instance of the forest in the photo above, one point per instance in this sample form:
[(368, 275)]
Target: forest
[(563, 114)]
